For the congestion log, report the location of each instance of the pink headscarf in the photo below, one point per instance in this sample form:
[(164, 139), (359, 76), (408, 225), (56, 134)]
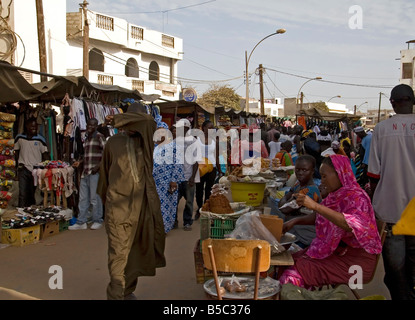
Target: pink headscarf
[(355, 204)]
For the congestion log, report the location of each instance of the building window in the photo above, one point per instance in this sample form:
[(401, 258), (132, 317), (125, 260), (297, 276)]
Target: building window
[(154, 72), (167, 41), (167, 93), (104, 22), (138, 85), (407, 70), (104, 79), (131, 68), (96, 60), (137, 33)]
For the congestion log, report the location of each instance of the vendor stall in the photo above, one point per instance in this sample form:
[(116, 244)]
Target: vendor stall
[(195, 113), (62, 107)]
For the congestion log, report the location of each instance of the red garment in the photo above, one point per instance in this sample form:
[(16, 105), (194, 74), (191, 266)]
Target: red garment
[(335, 268)]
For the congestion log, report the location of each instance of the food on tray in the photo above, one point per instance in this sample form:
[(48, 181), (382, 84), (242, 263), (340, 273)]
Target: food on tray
[(234, 286), (265, 163), (276, 163), (217, 202), (237, 172)]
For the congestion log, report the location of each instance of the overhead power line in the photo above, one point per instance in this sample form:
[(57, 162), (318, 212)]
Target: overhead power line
[(334, 82), (162, 11)]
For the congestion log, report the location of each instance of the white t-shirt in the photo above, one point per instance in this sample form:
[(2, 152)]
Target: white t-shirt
[(30, 150), (274, 148), (188, 147), (392, 159)]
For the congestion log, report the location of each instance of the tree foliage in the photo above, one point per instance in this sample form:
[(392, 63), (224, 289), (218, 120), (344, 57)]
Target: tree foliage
[(220, 96)]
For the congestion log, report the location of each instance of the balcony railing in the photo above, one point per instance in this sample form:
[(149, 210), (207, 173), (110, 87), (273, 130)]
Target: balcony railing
[(137, 33), (104, 22), (167, 41), (138, 85), (104, 79)]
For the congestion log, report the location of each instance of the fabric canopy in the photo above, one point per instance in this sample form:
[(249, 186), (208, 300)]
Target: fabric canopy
[(327, 116), (14, 88), (183, 106)]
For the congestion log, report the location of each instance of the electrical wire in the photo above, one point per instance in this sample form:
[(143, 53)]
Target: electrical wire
[(163, 11), (334, 82)]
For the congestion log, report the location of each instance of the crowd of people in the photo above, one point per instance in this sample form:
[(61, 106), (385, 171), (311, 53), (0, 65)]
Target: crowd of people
[(348, 178)]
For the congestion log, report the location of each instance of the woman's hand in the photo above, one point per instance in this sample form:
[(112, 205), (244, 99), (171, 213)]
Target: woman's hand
[(287, 226), (306, 201)]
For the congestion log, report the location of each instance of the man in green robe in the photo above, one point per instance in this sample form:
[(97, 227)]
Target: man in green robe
[(133, 220)]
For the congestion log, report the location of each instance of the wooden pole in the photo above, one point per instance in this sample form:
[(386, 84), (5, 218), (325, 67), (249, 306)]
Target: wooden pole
[(41, 39), (85, 68)]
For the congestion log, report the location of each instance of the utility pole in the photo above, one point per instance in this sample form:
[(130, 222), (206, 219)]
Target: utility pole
[(85, 68), (355, 107), (380, 99), (261, 90), (301, 100), (41, 39)]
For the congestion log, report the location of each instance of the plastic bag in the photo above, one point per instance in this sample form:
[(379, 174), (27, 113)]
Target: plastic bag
[(249, 226), (292, 292)]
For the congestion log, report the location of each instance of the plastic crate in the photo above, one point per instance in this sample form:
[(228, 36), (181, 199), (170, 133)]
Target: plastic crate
[(215, 228), (63, 225)]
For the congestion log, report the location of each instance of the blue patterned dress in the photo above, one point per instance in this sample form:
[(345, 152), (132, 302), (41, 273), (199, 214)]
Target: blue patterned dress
[(166, 170)]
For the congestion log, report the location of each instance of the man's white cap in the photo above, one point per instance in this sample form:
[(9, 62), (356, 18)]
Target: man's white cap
[(182, 123), (359, 129)]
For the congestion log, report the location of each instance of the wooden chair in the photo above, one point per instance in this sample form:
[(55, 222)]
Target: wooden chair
[(239, 256), (381, 225)]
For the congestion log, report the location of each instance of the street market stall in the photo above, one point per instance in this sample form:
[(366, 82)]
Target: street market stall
[(77, 100), (195, 113)]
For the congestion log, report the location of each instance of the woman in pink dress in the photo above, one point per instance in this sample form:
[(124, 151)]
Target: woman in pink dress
[(346, 231)]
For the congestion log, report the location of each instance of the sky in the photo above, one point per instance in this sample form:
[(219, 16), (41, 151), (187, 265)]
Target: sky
[(354, 45)]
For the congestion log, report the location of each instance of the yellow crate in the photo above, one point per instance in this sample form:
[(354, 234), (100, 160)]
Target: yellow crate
[(21, 237)]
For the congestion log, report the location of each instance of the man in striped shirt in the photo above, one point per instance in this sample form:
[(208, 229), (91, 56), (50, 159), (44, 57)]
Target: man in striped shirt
[(93, 148)]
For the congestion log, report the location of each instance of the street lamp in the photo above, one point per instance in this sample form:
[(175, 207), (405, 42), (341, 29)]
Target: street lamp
[(334, 97), (247, 58), (316, 78), (357, 108)]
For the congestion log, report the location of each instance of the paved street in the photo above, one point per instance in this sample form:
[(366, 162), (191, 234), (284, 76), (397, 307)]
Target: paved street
[(83, 258)]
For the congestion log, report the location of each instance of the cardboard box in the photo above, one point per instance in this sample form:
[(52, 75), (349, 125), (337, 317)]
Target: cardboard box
[(49, 229), (21, 237), (273, 224)]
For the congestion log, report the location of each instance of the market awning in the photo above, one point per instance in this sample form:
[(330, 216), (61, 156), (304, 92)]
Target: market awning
[(14, 87), (327, 116), (184, 106)]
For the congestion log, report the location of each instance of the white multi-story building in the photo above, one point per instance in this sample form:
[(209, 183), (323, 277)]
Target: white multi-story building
[(408, 65), (120, 53)]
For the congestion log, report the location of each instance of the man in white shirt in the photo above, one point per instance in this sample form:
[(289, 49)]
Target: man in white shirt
[(30, 149), (392, 173), (191, 171)]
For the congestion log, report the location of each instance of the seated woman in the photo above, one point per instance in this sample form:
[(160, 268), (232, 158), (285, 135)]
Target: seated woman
[(304, 171), (346, 231)]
